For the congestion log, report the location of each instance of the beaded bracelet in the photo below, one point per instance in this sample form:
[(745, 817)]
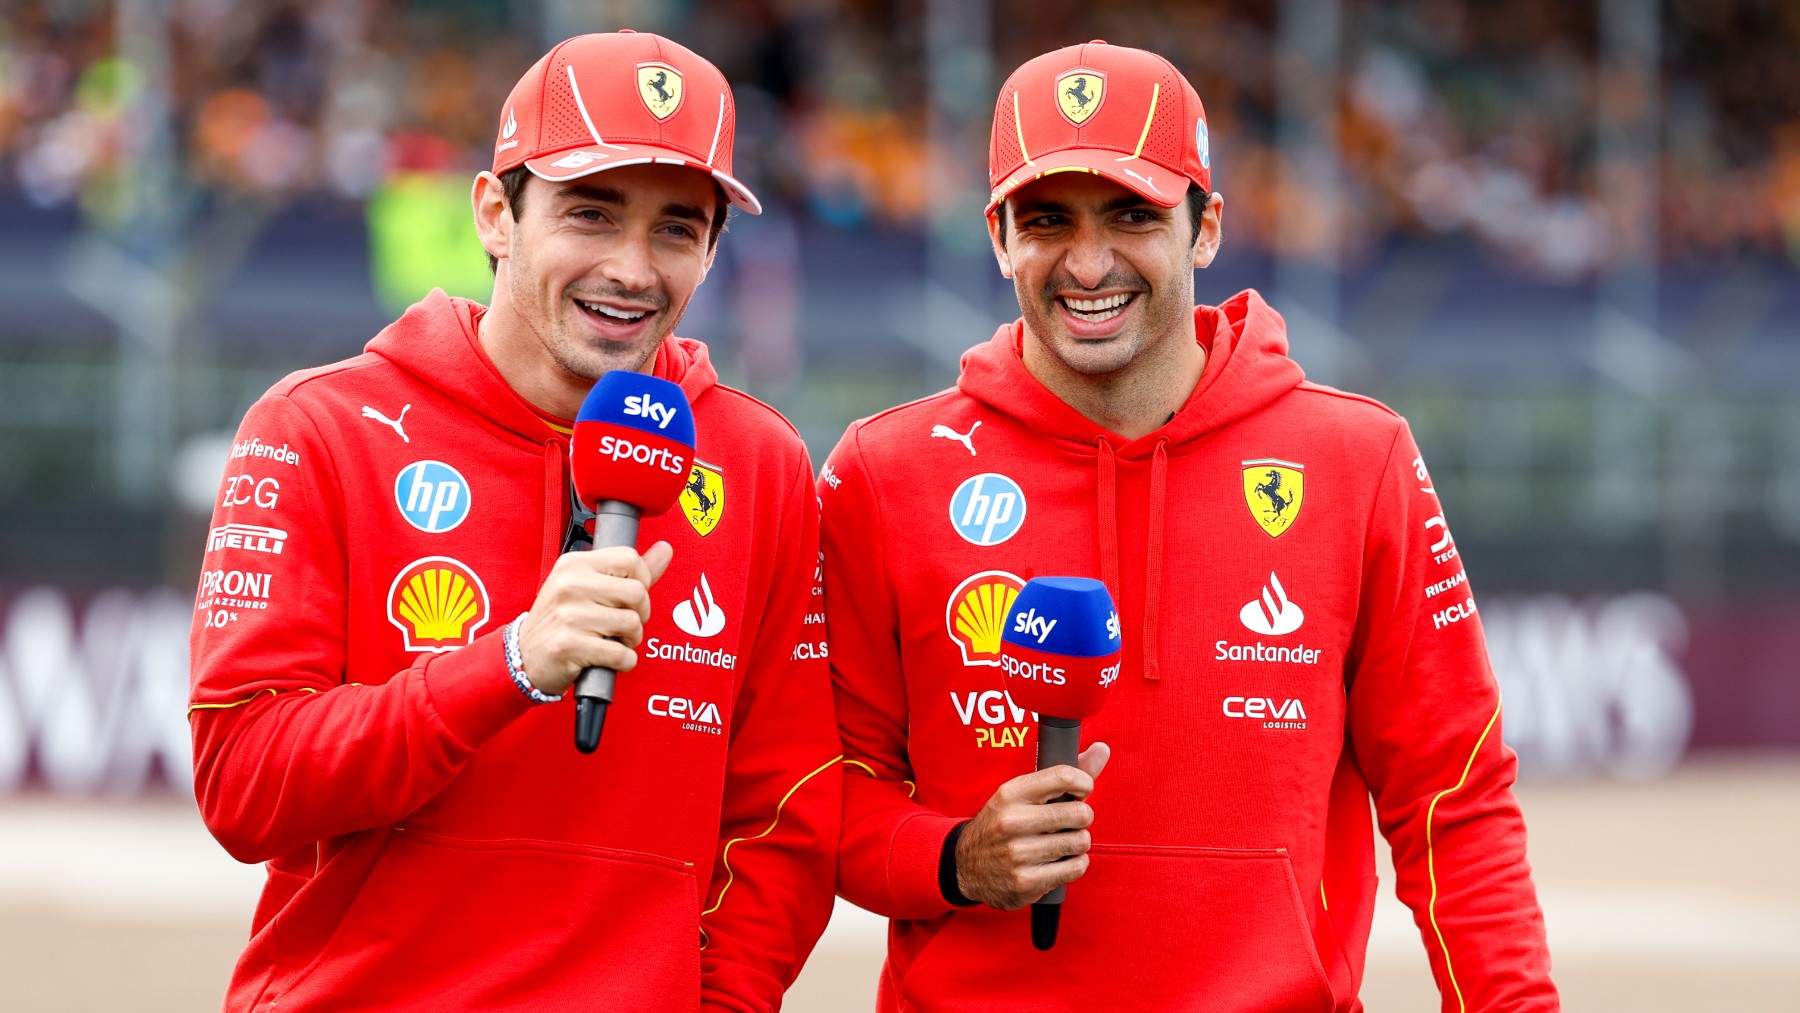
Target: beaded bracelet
[(515, 663)]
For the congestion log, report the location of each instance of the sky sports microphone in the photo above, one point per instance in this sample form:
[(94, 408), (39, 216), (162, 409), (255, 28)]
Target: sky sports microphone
[(1060, 650), (632, 450)]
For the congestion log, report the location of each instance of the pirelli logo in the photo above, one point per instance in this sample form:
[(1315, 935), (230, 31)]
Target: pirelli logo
[(248, 537)]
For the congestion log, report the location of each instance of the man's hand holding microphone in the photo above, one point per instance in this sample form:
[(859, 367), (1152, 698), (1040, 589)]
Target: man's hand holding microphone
[(1061, 652), (632, 450), (590, 613)]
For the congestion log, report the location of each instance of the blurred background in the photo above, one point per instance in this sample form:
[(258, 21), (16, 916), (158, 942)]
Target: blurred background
[(1561, 236)]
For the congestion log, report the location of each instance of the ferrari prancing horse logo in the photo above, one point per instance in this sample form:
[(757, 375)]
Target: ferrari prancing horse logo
[(1272, 490), (659, 85), (1079, 94), (703, 500)]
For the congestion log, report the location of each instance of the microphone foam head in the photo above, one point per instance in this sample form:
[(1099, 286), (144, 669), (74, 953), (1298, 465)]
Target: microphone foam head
[(1061, 647), (633, 442)]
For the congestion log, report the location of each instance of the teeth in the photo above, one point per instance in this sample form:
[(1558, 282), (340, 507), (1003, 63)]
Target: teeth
[(1098, 309), (608, 311), (1097, 305)]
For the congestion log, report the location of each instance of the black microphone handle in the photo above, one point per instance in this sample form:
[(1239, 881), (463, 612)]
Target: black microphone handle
[(1059, 742), (615, 523)]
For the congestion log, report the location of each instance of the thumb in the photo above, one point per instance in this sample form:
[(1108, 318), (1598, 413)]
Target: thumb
[(656, 560), (1093, 759)]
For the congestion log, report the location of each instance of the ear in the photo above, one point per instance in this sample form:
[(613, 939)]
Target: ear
[(1212, 231), (997, 235), (493, 218)]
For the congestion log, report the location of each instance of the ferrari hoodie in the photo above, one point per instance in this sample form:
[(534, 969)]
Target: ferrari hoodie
[(433, 840), (1299, 636)]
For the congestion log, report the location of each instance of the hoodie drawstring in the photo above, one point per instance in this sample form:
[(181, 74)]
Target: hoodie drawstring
[(1108, 482), (1109, 521), (1153, 563), (556, 456)]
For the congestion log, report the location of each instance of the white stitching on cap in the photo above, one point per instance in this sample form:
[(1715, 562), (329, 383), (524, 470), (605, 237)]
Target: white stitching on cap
[(718, 128)]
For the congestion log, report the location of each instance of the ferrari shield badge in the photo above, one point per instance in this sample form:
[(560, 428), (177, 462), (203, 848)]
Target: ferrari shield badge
[(1079, 94), (703, 501), (1273, 490), (659, 85)]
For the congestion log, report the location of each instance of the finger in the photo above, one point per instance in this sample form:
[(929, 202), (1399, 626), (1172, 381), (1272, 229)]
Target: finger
[(621, 623), (656, 561), (1018, 820), (609, 592), (1043, 785), (1043, 849), (1093, 759), (615, 561), (1038, 880)]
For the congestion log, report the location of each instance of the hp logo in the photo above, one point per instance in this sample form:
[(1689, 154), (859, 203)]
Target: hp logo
[(432, 496), (988, 509)]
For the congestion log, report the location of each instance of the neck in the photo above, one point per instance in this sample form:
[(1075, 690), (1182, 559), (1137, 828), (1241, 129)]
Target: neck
[(1133, 401), (541, 384)]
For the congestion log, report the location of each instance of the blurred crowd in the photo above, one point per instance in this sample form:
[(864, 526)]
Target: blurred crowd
[(1451, 116)]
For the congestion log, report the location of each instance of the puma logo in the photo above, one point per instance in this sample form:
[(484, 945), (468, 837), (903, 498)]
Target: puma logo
[(394, 424), (966, 439)]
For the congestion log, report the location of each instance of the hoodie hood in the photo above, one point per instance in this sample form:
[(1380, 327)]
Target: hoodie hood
[(435, 339), (1246, 368)]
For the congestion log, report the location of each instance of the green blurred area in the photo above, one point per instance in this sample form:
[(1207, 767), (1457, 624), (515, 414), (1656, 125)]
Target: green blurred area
[(421, 237)]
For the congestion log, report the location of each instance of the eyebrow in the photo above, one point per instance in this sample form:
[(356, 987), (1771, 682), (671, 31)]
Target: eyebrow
[(608, 195)]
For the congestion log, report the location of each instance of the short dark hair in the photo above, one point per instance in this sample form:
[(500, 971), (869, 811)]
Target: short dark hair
[(512, 183), (1197, 199)]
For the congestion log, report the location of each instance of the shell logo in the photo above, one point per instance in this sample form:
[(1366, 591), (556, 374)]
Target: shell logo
[(437, 603), (975, 616)]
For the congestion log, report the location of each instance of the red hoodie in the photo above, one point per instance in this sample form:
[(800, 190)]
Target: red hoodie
[(1299, 637), (433, 839)]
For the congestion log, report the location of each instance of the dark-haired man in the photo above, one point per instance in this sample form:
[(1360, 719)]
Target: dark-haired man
[(390, 618), (1298, 632)]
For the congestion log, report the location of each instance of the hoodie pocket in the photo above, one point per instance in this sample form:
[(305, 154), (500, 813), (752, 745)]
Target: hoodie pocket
[(444, 923), (1148, 928)]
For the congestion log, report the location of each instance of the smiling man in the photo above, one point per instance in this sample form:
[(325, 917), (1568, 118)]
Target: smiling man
[(379, 675), (1279, 560)]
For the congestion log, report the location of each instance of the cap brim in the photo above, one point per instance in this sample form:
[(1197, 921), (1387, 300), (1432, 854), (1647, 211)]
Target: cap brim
[(587, 159), (1155, 183)]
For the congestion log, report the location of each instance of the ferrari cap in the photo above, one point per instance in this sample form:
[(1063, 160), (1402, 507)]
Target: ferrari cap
[(1122, 113), (597, 102)]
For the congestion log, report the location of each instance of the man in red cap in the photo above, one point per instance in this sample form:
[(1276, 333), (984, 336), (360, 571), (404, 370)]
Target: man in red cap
[(1299, 633), (371, 720)]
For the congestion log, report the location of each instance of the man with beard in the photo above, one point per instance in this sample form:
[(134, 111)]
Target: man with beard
[(372, 721), (1298, 634)]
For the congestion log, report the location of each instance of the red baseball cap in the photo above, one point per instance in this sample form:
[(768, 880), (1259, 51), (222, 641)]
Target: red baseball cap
[(597, 102), (1122, 113)]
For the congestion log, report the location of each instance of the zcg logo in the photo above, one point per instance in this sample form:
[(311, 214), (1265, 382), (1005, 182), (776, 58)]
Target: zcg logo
[(242, 490), (432, 496), (988, 509)]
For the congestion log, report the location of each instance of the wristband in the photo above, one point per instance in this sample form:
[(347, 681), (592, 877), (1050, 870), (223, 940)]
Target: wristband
[(947, 884), (515, 663)]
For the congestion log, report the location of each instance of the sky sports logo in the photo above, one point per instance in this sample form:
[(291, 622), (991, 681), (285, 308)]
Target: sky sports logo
[(249, 537), (644, 406), (255, 447)]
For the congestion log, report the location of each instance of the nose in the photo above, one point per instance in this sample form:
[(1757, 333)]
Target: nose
[(627, 263), (1090, 257)]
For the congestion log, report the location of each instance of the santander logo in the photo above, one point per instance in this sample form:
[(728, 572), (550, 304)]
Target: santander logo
[(700, 616), (1273, 614)]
